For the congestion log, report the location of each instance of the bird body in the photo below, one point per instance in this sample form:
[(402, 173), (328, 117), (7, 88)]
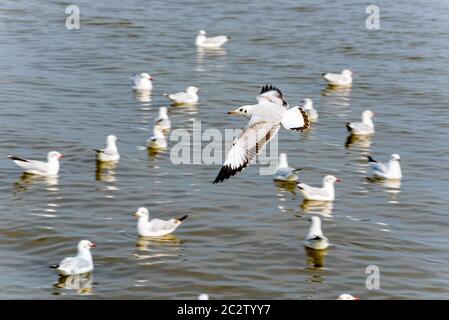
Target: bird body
[(190, 96), (157, 140), (325, 193), (283, 171), (315, 238), (110, 153), (49, 168), (142, 82), (155, 227), (210, 42), (339, 79), (79, 264), (365, 127), (392, 170)]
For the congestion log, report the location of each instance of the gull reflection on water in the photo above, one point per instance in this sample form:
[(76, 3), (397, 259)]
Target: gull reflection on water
[(82, 283), (315, 258), (203, 53), (340, 94), (289, 186), (26, 180), (143, 96), (362, 143), (105, 171), (155, 250), (392, 187), (323, 208)]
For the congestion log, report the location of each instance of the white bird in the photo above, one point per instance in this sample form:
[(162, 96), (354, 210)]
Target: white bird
[(346, 296), (267, 117), (212, 42), (155, 227), (311, 112), (162, 120), (365, 127), (110, 153), (157, 141), (315, 238), (203, 296), (392, 170), (339, 79), (49, 168), (283, 171), (190, 96), (142, 82), (79, 264), (325, 193)]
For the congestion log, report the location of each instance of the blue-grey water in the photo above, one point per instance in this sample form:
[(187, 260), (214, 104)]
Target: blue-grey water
[(66, 90)]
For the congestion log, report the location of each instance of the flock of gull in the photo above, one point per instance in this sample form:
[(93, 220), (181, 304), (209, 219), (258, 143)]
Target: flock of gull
[(271, 112)]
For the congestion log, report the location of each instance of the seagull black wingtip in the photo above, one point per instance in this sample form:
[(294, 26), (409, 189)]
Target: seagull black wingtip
[(54, 266), (183, 218)]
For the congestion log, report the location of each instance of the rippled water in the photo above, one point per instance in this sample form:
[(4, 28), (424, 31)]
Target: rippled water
[(66, 90)]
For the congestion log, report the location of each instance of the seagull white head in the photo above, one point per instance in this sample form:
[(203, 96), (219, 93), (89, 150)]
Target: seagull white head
[(111, 139), (243, 111), (192, 89), (163, 112), (347, 73), (142, 212), (202, 32), (366, 117), (330, 179), (203, 296), (346, 296), (146, 76), (307, 104), (315, 228), (283, 160), (84, 245), (395, 157), (52, 155)]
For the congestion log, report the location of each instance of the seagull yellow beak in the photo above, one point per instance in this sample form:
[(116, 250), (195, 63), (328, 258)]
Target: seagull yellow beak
[(233, 112), (135, 214)]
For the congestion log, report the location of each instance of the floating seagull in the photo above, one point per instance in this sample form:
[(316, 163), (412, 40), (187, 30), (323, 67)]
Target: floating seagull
[(339, 79), (203, 296), (315, 238), (155, 227), (267, 117), (110, 153), (392, 170), (157, 141), (142, 82), (162, 120), (211, 42), (283, 171), (325, 193), (365, 127), (311, 112), (49, 168), (82, 263), (346, 296), (190, 96)]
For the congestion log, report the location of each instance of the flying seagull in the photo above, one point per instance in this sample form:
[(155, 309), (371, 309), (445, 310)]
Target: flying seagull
[(265, 122)]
